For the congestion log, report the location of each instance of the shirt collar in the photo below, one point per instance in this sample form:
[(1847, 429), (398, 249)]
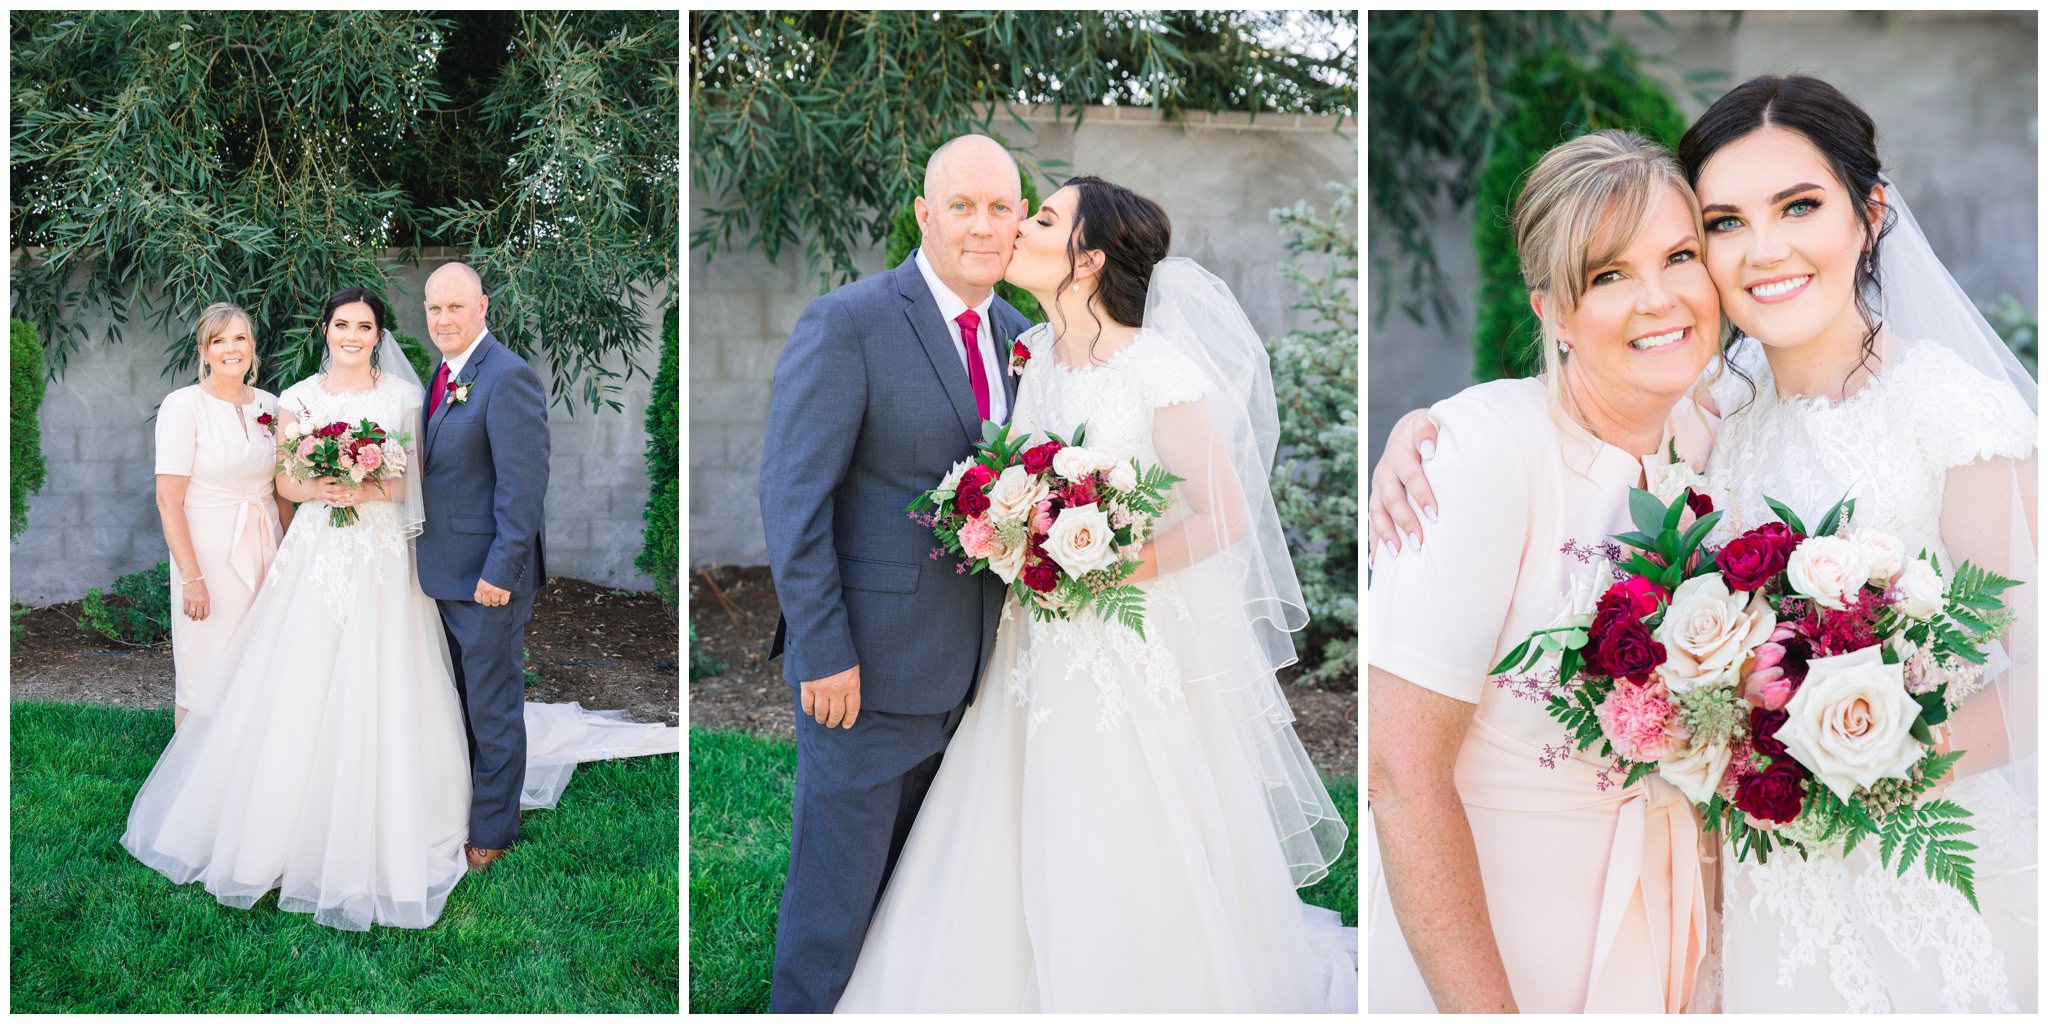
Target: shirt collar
[(456, 364), (950, 305)]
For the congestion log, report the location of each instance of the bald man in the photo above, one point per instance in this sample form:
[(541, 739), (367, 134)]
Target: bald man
[(480, 550), (882, 388)]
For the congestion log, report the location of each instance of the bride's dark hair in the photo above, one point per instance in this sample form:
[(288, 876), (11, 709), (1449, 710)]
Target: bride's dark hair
[(1847, 140), (355, 293), (1132, 232)]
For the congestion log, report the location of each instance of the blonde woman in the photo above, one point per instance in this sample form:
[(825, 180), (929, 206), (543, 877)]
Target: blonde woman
[(222, 514), (1508, 874)]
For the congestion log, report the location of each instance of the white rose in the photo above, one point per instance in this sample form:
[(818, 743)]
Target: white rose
[(1014, 494), (1073, 463), (1697, 769), (1008, 561), (1708, 630), (1671, 480), (1583, 599), (1123, 476), (1851, 722), (951, 483), (1920, 589), (1828, 569), (1081, 540), (1883, 554)]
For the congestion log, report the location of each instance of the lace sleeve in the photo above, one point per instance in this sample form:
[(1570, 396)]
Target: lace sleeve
[(1960, 415), (1165, 377)]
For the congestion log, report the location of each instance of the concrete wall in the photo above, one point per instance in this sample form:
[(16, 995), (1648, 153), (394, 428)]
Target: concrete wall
[(1954, 97), (1218, 176), (96, 517)]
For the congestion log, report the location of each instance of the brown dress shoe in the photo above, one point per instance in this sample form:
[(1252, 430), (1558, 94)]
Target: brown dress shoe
[(481, 860)]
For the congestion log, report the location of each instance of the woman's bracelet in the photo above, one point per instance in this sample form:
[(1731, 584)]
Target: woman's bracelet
[(195, 579)]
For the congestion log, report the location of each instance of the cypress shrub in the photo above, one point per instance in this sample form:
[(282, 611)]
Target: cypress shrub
[(27, 469), (661, 550)]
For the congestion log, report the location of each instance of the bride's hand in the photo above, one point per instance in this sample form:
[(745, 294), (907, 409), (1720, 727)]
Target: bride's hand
[(334, 493)]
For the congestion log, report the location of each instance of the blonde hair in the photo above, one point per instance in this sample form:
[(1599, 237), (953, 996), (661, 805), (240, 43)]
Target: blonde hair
[(213, 323), (1597, 188)]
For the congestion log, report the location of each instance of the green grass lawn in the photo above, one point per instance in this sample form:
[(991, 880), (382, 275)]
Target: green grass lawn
[(580, 917), (740, 788)]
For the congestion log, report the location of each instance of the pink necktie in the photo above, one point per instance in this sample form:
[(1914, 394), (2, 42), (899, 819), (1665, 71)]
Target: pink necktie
[(977, 377), (434, 392)]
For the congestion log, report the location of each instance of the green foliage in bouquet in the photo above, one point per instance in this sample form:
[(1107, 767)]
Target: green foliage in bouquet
[(1315, 470), (904, 238), (26, 469), (138, 612), (1560, 97), (661, 542)]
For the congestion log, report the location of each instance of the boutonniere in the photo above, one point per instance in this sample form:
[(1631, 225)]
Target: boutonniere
[(1019, 355), (457, 392), (264, 420)]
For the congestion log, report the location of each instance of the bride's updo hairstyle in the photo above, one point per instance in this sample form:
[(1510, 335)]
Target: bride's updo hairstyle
[(1846, 138), (1133, 234), (1580, 207), (355, 293)]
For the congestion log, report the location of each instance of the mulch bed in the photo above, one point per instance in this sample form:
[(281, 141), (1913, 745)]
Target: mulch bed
[(606, 649), (734, 611)]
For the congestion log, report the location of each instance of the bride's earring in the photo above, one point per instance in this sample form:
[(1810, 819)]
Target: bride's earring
[(1564, 348)]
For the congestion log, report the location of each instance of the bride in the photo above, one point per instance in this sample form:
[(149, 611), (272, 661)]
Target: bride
[(1871, 376), (333, 766), (1121, 822)]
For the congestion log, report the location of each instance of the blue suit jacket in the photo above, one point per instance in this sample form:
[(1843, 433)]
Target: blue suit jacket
[(872, 406), (486, 480)]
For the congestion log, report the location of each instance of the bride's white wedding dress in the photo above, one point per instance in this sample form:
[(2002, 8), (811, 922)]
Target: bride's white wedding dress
[(333, 767), (1120, 823), (1849, 934)]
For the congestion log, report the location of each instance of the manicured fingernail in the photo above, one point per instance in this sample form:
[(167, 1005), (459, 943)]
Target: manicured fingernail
[(1428, 450), (1429, 513), (1386, 549), (1414, 541)]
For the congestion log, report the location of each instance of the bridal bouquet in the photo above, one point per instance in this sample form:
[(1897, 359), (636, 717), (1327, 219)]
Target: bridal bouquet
[(1057, 522), (1789, 684), (357, 454)]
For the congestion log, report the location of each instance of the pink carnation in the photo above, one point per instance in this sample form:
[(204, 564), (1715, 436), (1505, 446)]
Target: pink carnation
[(306, 448), (370, 457), (1641, 721), (978, 537)]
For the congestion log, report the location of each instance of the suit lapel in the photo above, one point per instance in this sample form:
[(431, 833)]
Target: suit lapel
[(468, 376), (1004, 342), (923, 313)]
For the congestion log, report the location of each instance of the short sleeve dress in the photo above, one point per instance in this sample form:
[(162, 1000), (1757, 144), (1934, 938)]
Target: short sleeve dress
[(231, 511), (1595, 890)]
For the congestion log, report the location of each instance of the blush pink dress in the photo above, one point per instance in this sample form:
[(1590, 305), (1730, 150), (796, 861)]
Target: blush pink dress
[(231, 510), (1597, 894)]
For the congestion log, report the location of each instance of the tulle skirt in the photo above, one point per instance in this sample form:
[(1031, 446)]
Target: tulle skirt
[(1104, 834)]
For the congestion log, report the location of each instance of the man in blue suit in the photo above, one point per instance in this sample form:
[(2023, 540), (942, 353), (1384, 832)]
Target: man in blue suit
[(480, 550), (882, 388)]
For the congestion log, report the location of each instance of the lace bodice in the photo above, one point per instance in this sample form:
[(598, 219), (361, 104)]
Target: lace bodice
[(1118, 400), (1831, 932), (388, 404), (1888, 445)]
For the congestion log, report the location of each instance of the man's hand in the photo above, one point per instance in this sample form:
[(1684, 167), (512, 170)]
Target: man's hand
[(490, 596), (834, 700)]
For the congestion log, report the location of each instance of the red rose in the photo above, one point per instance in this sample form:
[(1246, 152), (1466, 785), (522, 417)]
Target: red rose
[(1699, 503), (970, 501), (265, 420), (1642, 594), (1752, 561), (1773, 795), (1038, 460), (1019, 354), (1780, 535), (977, 477), (1629, 651), (1763, 731), (1042, 577)]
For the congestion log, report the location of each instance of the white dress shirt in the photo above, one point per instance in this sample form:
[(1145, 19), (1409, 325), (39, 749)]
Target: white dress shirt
[(994, 363), (461, 359)]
